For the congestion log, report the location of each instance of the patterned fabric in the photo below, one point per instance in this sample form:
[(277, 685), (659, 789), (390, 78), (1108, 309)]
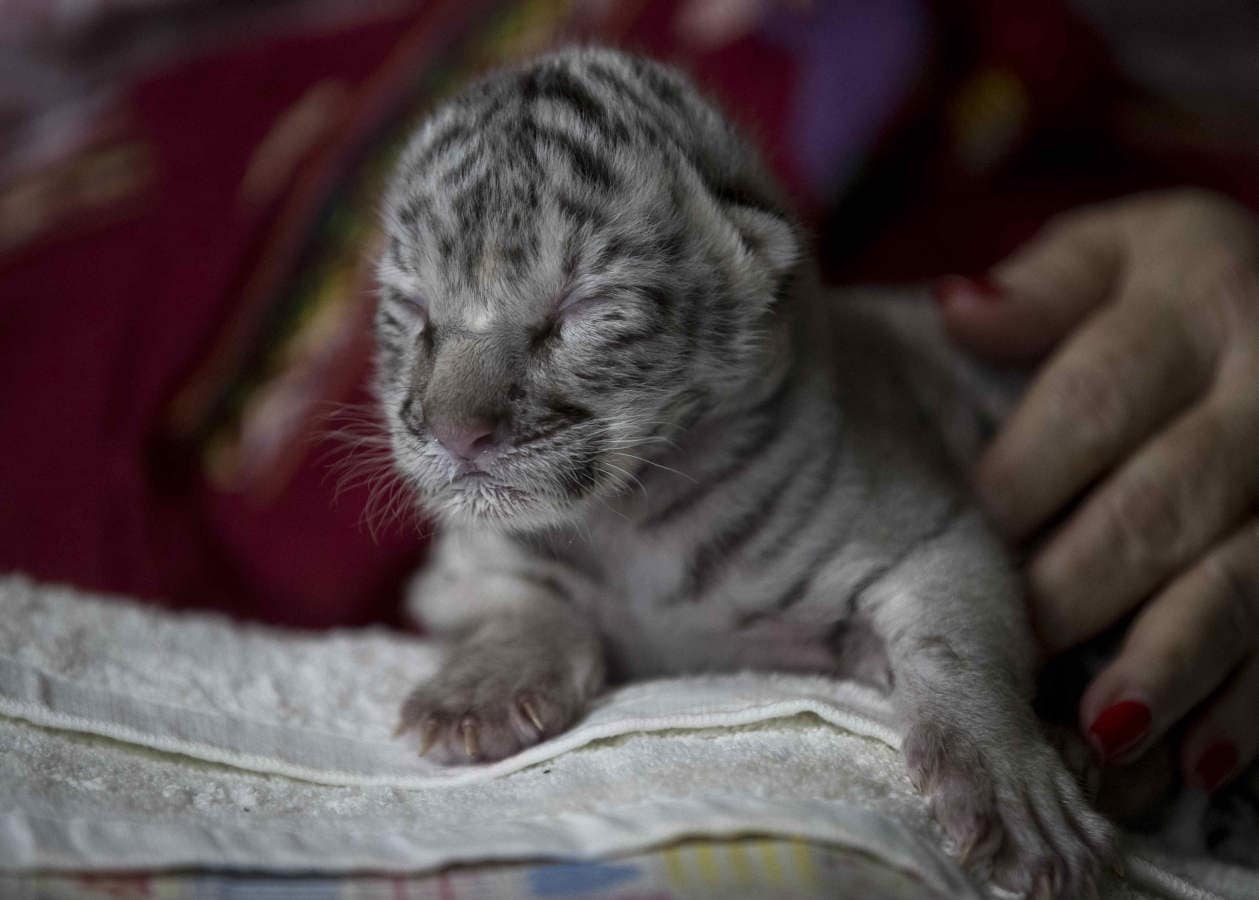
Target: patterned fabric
[(747, 867)]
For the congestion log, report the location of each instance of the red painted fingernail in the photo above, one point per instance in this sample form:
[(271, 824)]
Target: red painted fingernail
[(1216, 763), (953, 289), (1120, 725)]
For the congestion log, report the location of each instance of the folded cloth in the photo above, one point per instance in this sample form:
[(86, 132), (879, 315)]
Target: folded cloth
[(132, 738)]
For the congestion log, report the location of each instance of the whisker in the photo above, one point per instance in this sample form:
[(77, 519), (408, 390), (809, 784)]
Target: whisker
[(658, 466), (606, 466)]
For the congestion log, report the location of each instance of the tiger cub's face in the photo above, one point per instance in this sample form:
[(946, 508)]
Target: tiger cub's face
[(567, 284)]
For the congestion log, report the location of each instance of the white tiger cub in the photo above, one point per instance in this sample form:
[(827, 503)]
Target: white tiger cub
[(656, 447)]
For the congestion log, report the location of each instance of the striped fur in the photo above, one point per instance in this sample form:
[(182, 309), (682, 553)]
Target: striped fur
[(712, 465)]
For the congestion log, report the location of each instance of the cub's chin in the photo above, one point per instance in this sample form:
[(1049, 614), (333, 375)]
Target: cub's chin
[(520, 493), (485, 504)]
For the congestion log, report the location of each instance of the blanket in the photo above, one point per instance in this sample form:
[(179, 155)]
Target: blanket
[(133, 738)]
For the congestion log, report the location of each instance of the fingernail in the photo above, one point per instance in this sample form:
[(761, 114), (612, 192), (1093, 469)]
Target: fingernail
[(1216, 763), (953, 290), (1119, 726)]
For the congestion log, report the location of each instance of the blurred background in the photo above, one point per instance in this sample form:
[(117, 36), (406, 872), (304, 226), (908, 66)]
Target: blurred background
[(188, 195)]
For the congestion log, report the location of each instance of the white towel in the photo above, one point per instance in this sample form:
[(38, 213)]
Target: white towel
[(133, 738)]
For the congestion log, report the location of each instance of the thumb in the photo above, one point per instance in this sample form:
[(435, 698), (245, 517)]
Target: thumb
[(1036, 296)]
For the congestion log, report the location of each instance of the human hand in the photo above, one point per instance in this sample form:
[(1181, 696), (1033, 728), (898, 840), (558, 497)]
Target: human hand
[(1145, 410)]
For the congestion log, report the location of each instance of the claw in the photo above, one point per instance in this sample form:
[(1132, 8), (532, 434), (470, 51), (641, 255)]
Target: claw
[(401, 728), (468, 728), (428, 734), (526, 706)]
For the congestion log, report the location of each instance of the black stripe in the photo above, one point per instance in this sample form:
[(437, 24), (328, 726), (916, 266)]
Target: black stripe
[(818, 496), (393, 252), (548, 583), (566, 554), (516, 257), (877, 573), (533, 437), (652, 319), (391, 295), (798, 590), (558, 416), (388, 318), (728, 543), (656, 130), (758, 440), (584, 161), (873, 577), (442, 142), (572, 256), (937, 528), (661, 86), (473, 203), (563, 88), (389, 359), (526, 159), (568, 413), (406, 414), (463, 169), (649, 323), (609, 253), (659, 297), (654, 299), (616, 84), (786, 286), (733, 193), (497, 101), (580, 212), (625, 340), (415, 209), (632, 249), (473, 250), (657, 88)]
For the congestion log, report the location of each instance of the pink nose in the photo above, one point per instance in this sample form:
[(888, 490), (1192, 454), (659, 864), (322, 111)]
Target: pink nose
[(468, 439)]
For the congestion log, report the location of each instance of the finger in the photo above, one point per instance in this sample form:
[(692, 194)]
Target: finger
[(1038, 294), (1160, 511), (1226, 738), (1112, 384), (1178, 650)]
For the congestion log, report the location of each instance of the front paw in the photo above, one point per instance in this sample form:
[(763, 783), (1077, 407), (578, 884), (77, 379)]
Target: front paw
[(491, 700), (1013, 807)]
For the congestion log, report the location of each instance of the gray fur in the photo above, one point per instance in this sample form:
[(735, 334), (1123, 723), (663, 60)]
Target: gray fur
[(708, 464)]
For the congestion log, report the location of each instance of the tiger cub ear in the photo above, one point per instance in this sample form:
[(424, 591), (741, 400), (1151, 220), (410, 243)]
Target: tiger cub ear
[(768, 242)]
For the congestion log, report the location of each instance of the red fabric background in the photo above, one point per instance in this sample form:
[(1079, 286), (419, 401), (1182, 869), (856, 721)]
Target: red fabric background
[(101, 327)]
